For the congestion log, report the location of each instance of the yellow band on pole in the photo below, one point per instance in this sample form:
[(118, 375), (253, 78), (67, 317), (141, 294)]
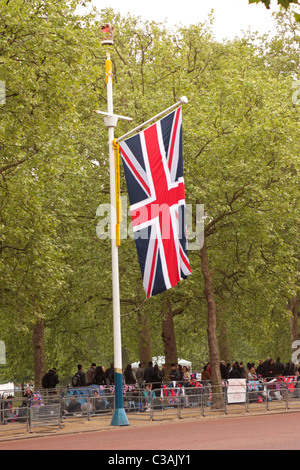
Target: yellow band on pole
[(118, 191), (108, 70)]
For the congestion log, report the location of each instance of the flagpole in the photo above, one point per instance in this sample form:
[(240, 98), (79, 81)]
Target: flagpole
[(183, 100), (119, 416)]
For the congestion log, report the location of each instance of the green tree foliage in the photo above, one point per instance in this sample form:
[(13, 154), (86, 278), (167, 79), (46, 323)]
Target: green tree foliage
[(240, 157), (283, 3), (51, 89)]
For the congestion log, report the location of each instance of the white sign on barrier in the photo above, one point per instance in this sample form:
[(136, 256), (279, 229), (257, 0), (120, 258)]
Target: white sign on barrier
[(236, 391)]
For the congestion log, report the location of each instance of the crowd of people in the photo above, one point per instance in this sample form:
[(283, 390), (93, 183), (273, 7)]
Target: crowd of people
[(150, 380), (151, 374), (268, 369), (98, 375), (155, 375)]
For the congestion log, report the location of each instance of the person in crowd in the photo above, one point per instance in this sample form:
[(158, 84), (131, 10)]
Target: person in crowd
[(186, 376), (265, 365), (248, 374), (8, 414), (206, 375), (194, 382), (259, 370), (180, 372), (242, 369), (50, 379), (193, 391), (87, 407), (26, 403), (279, 367), (90, 374), (297, 384), (223, 370), (289, 369), (148, 373), (292, 369), (271, 370), (99, 377), (81, 376), (73, 407), (129, 376), (106, 373), (139, 373), (111, 374), (148, 394), (99, 402), (174, 374), (156, 378), (253, 371), (235, 373), (28, 395)]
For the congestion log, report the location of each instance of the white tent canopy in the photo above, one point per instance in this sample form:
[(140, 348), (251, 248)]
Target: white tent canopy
[(7, 389), (159, 360)]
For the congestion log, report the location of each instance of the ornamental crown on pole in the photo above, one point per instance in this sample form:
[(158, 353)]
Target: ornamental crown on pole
[(107, 33)]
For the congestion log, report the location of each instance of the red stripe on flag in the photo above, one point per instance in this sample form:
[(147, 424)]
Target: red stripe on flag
[(163, 196)]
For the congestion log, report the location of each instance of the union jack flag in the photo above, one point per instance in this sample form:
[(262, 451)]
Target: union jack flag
[(153, 170)]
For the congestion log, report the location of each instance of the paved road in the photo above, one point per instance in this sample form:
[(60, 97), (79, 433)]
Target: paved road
[(268, 432)]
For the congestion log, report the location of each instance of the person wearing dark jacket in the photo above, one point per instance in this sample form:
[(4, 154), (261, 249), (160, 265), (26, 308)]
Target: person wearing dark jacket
[(174, 374), (139, 373), (90, 375), (271, 370), (235, 373), (260, 369), (82, 376), (148, 373), (156, 377), (50, 380), (265, 368), (279, 367), (111, 375), (156, 380), (99, 378), (129, 376), (223, 370)]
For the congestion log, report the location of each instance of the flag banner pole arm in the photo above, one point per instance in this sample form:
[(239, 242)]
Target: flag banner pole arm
[(183, 100), (111, 115)]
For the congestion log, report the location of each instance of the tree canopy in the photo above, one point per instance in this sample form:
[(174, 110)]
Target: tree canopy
[(284, 3), (241, 161)]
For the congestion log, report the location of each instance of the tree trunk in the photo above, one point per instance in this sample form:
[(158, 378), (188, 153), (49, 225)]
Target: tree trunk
[(218, 401), (38, 353), (144, 338), (294, 324), (223, 339), (169, 337)]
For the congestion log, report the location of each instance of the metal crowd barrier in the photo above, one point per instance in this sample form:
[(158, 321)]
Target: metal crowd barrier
[(45, 416), (148, 402), (13, 414)]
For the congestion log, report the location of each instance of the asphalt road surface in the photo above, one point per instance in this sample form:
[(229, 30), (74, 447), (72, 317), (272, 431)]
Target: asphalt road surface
[(268, 432)]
